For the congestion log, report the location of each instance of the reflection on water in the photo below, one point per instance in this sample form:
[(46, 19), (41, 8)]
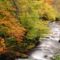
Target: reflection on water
[(50, 46)]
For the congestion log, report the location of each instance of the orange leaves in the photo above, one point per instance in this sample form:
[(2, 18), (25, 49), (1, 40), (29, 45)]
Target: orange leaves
[(49, 1), (14, 28)]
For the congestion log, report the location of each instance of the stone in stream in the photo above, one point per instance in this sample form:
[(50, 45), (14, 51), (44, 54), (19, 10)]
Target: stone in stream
[(59, 41)]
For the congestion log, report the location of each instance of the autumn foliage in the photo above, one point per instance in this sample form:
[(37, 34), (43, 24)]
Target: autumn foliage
[(10, 27), (22, 24)]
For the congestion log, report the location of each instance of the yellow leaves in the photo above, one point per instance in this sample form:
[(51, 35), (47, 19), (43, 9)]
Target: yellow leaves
[(2, 42), (43, 27), (36, 7), (2, 45), (45, 8), (50, 11), (41, 8), (30, 46)]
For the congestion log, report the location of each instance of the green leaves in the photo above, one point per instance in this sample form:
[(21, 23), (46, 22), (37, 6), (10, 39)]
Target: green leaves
[(1, 0), (2, 16), (56, 57), (10, 42), (3, 30)]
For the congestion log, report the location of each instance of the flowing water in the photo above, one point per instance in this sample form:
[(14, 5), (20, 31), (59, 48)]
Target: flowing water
[(50, 46)]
